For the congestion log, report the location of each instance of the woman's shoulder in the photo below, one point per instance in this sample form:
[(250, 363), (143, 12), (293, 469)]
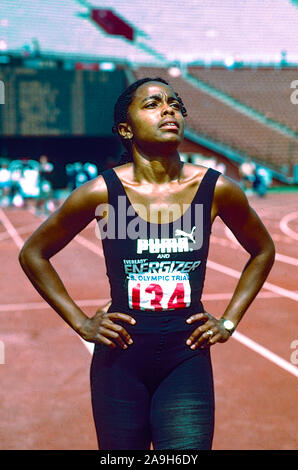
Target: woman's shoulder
[(91, 193), (125, 173), (223, 182), (194, 171), (228, 194)]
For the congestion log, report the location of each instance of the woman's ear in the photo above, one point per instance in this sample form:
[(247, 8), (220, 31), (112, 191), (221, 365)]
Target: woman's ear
[(124, 130)]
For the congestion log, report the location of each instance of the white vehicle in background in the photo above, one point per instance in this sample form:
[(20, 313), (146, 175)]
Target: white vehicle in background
[(5, 184), (26, 185), (24, 181)]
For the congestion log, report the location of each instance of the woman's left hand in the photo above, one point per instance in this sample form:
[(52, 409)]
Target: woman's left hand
[(211, 332)]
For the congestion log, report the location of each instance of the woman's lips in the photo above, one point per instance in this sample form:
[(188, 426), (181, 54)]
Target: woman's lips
[(170, 125)]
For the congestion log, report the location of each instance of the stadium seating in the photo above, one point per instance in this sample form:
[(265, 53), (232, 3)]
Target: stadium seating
[(266, 90), (190, 30), (220, 122)]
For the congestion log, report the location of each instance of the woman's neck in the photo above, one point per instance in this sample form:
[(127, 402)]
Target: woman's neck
[(157, 169)]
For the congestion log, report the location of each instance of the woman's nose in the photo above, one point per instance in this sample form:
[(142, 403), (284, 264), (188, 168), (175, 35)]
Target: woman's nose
[(167, 109)]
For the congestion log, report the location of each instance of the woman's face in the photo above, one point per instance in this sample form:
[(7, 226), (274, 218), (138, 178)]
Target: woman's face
[(155, 117)]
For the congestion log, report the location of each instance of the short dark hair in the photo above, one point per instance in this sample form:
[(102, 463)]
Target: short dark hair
[(121, 109)]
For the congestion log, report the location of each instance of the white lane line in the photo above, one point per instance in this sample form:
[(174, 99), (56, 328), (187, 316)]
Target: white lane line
[(278, 256), (97, 302), (277, 360), (11, 230), (21, 230), (95, 248), (284, 227), (228, 296), (89, 346), (25, 306), (44, 305), (286, 259), (277, 291), (19, 242), (237, 336), (267, 285)]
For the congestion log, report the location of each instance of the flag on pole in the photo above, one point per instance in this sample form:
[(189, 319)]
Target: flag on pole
[(111, 23)]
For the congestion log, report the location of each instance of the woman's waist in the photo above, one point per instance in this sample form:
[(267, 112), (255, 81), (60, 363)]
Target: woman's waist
[(157, 320), (122, 306)]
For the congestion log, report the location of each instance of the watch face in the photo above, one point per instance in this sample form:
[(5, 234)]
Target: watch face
[(228, 324)]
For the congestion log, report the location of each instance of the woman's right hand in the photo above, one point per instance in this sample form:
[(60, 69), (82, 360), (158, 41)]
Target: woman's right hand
[(101, 329)]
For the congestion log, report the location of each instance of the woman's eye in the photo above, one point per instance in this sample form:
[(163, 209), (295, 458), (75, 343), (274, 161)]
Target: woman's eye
[(154, 104), (150, 105)]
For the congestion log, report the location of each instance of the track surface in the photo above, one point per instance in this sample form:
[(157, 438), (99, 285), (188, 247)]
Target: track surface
[(44, 365)]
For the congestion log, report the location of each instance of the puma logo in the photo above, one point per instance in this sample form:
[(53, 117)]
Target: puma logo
[(181, 233)]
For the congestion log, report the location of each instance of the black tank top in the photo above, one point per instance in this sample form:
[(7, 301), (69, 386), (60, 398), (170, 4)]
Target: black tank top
[(156, 267)]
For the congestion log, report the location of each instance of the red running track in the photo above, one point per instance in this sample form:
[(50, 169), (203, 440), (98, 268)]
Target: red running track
[(44, 365)]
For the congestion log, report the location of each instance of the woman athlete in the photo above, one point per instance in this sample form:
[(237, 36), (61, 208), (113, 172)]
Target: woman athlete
[(151, 374)]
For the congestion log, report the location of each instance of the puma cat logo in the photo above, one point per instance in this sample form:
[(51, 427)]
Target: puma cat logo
[(181, 233)]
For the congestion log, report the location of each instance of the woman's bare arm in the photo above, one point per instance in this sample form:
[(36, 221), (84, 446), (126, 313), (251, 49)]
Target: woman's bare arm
[(232, 207), (242, 220), (54, 234)]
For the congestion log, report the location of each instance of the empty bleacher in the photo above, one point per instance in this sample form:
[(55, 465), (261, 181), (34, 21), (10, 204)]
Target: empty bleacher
[(190, 30), (219, 122), (266, 90)]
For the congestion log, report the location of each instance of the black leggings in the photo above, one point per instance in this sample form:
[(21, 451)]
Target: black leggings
[(158, 390)]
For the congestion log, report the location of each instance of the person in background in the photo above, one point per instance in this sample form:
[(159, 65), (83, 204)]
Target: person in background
[(261, 181), (5, 185), (246, 172), (84, 172), (44, 203)]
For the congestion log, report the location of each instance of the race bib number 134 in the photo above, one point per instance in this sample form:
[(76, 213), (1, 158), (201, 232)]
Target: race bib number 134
[(158, 295)]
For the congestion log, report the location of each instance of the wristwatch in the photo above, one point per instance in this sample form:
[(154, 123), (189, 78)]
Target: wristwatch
[(228, 325)]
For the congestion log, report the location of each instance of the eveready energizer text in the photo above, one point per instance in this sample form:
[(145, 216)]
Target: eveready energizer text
[(159, 267)]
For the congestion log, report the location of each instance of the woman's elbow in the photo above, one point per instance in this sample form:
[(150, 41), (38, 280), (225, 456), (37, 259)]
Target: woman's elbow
[(27, 255), (271, 249), (23, 256), (268, 253)]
